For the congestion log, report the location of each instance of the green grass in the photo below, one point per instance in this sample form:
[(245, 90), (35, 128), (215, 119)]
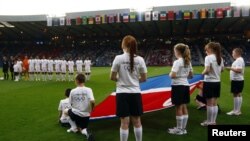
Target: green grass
[(28, 111)]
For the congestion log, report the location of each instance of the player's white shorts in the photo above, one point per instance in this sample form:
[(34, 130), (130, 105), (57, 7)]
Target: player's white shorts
[(58, 69), (19, 69), (31, 69), (44, 69), (38, 69), (79, 69), (50, 69), (87, 70), (63, 69), (71, 70)]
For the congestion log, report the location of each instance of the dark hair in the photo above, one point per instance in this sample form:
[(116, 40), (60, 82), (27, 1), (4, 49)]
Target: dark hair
[(80, 78), (185, 53), (216, 49), (67, 92), (238, 51), (130, 43)]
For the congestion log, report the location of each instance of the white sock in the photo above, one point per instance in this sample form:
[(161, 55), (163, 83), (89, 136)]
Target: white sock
[(123, 135), (138, 133), (239, 104), (235, 103), (214, 114), (84, 132), (209, 113), (185, 120), (179, 121), (72, 123)]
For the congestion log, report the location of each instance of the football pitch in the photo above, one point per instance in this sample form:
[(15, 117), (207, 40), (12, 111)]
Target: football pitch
[(28, 111)]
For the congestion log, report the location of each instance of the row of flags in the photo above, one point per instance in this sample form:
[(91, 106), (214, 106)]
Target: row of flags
[(151, 16)]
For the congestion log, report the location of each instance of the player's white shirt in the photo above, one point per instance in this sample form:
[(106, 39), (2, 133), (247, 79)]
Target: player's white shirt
[(31, 65), (79, 64), (44, 64), (128, 82), (63, 65), (15, 67), (71, 66), (50, 65), (239, 63), (182, 72), (215, 69), (57, 65), (37, 65), (79, 100)]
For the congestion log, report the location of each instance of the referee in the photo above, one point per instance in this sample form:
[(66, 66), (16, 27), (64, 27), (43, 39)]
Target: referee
[(11, 66), (5, 68)]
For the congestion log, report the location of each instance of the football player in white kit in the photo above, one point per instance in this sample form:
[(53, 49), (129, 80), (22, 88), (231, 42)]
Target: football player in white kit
[(31, 69), (79, 64), (50, 68), (37, 68), (63, 69), (71, 69), (15, 68), (64, 104), (87, 64), (19, 67), (57, 67), (44, 62)]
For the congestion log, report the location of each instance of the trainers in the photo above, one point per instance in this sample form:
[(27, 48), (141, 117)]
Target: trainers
[(74, 130), (184, 131), (175, 131), (237, 113), (231, 113), (206, 123)]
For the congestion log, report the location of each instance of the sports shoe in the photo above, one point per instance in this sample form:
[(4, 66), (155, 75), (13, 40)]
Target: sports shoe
[(231, 113), (74, 130), (237, 113), (175, 131), (206, 123)]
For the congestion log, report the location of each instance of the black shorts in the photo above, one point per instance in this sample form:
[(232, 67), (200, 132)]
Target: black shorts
[(201, 99), (180, 94), (128, 104), (211, 90), (81, 122), (16, 73), (237, 86)]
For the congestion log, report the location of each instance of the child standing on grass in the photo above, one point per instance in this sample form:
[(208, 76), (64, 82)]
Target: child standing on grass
[(181, 70), (211, 85), (82, 103), (237, 80)]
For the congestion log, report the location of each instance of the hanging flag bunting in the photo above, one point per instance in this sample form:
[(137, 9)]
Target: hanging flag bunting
[(211, 13), (84, 20), (186, 15), (228, 12), (203, 13), (68, 21), (49, 21), (155, 15), (125, 17), (245, 11), (170, 15), (163, 16), (62, 21), (55, 21), (118, 18), (111, 18), (78, 21), (98, 19), (219, 13), (90, 20), (179, 15), (139, 16), (104, 19), (236, 11), (148, 16), (195, 14), (132, 16)]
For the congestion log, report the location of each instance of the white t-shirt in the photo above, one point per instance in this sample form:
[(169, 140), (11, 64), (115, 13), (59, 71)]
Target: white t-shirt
[(238, 64), (79, 100), (64, 104), (128, 82), (181, 71), (79, 64), (71, 65), (31, 64), (87, 64), (19, 64), (215, 69), (44, 63), (16, 68)]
